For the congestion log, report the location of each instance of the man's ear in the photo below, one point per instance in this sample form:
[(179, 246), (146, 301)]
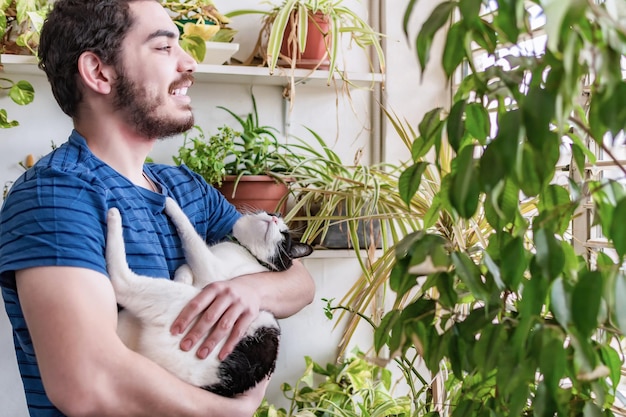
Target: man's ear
[(94, 73)]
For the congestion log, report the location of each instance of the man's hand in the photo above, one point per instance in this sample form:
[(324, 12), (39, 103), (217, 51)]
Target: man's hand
[(222, 309), (226, 309)]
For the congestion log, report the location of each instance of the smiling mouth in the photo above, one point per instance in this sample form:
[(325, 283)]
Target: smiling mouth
[(180, 91), (180, 87)]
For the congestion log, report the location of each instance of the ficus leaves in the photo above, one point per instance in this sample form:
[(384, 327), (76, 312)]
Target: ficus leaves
[(516, 313)]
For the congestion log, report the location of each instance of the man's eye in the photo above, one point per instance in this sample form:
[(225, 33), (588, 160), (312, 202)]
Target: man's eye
[(165, 48)]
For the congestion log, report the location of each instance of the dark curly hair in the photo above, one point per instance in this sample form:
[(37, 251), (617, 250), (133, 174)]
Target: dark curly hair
[(76, 26)]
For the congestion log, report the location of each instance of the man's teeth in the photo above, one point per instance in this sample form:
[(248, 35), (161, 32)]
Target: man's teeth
[(180, 91)]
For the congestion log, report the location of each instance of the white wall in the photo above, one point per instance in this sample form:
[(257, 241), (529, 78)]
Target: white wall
[(343, 123)]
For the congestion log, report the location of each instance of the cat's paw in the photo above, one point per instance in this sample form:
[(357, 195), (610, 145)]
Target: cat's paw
[(171, 206), (114, 218), (184, 275)]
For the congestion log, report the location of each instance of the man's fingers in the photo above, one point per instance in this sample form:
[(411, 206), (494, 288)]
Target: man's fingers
[(194, 308), (225, 327), (206, 324), (237, 333), (216, 314)]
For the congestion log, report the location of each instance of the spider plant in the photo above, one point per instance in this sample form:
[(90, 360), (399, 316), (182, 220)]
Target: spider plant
[(296, 13)]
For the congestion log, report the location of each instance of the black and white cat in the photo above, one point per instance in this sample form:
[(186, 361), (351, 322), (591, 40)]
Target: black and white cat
[(151, 305)]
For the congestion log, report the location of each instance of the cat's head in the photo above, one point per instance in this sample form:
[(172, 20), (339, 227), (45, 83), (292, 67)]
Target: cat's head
[(267, 237)]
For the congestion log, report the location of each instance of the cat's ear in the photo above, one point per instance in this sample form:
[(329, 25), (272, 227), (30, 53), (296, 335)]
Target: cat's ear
[(300, 250)]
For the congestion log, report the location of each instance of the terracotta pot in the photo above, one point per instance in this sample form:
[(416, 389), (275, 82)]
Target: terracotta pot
[(255, 192), (317, 43)]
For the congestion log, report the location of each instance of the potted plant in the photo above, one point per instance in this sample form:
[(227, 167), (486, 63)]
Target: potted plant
[(206, 156), (20, 24), (352, 387), (526, 324), (341, 205), (20, 92), (288, 25), (246, 165), (201, 25)]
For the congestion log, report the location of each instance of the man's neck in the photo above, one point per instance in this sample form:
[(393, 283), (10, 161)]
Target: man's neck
[(119, 146)]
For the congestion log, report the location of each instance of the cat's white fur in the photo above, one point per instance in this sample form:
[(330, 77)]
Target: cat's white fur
[(152, 304)]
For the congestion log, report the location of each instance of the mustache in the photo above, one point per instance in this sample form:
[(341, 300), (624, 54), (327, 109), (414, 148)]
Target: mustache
[(184, 79)]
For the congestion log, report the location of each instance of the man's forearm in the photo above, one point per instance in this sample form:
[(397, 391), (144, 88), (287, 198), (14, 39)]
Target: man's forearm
[(135, 386), (284, 293), (87, 370)]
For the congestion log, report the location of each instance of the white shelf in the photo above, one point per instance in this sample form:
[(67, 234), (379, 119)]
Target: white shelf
[(230, 74), (340, 253)]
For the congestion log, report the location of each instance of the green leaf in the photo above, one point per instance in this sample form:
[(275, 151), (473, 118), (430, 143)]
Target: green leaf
[(592, 410), (409, 181), (586, 302), (470, 9), (400, 280), (549, 254), (456, 125), (560, 304), (381, 333), (22, 92), (465, 188), (430, 129), (506, 19), (477, 121), (534, 293), (432, 214), (470, 275), (552, 360), (439, 16), (543, 403), (484, 35), (513, 263), (3, 25), (617, 234), (538, 110), (454, 50), (620, 306), (556, 209), (195, 46), (407, 16), (455, 355), (537, 166), (447, 293), (612, 359), (494, 270), (556, 12), (500, 156), (431, 123), (488, 348), (5, 123)]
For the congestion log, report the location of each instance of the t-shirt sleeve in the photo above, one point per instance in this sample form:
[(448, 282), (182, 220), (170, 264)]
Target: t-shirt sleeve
[(223, 216), (206, 207), (53, 219)]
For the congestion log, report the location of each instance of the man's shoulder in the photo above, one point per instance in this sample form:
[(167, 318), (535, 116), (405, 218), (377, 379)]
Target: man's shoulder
[(183, 184), (175, 174)]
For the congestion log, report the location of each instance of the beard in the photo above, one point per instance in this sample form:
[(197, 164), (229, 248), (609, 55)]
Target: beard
[(141, 108)]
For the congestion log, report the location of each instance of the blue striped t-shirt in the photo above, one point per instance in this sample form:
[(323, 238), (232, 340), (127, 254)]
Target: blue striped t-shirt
[(55, 215)]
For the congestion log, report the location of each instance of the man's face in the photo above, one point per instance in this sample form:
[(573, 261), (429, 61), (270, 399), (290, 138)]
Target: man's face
[(154, 75)]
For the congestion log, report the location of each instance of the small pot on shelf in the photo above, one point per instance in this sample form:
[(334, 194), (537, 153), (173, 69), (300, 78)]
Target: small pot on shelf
[(251, 193), (318, 39)]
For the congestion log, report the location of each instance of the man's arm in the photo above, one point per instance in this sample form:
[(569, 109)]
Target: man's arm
[(86, 370), (232, 305)]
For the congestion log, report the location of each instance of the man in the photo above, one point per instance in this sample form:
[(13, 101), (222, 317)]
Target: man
[(116, 68)]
